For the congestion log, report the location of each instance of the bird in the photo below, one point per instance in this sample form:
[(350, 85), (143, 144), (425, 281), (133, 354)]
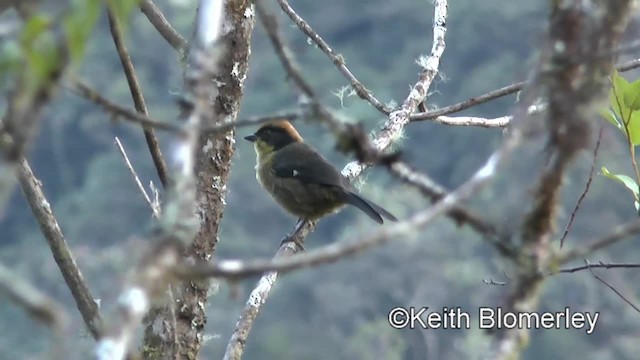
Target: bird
[(301, 180)]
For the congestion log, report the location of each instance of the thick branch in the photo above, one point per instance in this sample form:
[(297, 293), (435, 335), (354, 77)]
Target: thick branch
[(32, 189)]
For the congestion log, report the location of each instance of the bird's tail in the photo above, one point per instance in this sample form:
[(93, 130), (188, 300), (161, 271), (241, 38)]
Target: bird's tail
[(374, 211)]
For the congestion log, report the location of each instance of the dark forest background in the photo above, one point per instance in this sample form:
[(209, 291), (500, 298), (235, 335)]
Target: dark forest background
[(337, 311)]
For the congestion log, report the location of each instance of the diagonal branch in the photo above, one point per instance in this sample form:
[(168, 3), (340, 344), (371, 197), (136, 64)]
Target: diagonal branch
[(337, 59), (620, 233), (605, 283), (136, 94), (40, 306), (585, 191), (160, 22), (43, 213)]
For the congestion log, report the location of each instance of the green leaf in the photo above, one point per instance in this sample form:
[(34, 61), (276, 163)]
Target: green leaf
[(631, 95), (35, 26), (628, 182), (608, 115), (616, 97), (79, 23), (634, 128)]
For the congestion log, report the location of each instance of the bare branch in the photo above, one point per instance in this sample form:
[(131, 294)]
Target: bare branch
[(292, 69), (136, 94), (477, 100), (337, 59), (611, 287), (40, 306), (160, 22), (599, 265), (83, 89), (621, 232), (586, 188), (500, 122), (495, 94), (85, 302), (435, 192)]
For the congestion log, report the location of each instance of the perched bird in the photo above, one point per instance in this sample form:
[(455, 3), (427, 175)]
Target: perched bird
[(300, 179)]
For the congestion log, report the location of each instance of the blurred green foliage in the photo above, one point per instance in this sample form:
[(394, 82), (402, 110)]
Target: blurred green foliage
[(337, 311)]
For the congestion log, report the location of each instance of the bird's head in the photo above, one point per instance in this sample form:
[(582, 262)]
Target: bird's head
[(273, 136)]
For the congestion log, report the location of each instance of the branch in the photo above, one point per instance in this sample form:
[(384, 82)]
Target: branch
[(39, 306), (500, 122), (392, 130), (177, 225), (311, 100), (81, 88), (495, 94), (292, 69), (477, 100), (621, 232), (160, 22), (599, 265), (43, 213), (586, 188), (36, 303), (136, 95), (435, 192), (215, 83), (611, 287), (337, 59)]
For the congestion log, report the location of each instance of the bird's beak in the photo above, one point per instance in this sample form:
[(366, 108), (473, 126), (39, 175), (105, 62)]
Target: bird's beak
[(251, 138)]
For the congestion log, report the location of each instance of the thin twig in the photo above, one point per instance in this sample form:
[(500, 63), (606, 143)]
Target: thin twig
[(154, 207), (586, 188), (599, 265), (160, 22), (292, 69), (620, 233), (495, 94), (611, 287), (136, 95), (337, 59), (459, 214)]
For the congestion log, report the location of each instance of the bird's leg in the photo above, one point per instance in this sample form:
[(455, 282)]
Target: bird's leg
[(291, 237)]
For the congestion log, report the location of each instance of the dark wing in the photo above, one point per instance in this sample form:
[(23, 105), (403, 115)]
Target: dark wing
[(300, 161)]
